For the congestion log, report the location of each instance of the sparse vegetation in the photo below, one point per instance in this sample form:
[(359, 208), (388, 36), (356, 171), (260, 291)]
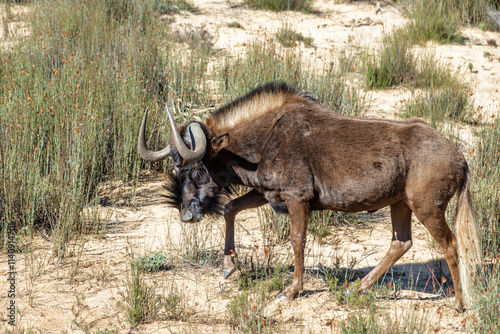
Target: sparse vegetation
[(440, 105), (197, 248), (289, 37), (282, 5), (372, 322), (142, 302), (247, 312), (434, 20), (172, 7), (275, 227), (85, 80), (266, 62), (345, 291), (267, 277), (235, 24), (395, 64), (487, 301), (152, 263), (486, 172)]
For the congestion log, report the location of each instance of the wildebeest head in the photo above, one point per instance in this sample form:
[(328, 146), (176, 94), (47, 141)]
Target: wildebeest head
[(190, 188)]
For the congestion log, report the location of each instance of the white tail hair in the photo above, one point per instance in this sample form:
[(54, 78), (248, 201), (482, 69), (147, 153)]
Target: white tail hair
[(469, 241)]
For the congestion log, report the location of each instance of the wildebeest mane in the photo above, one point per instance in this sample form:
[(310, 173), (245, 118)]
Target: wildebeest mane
[(173, 196), (257, 102), (173, 188)]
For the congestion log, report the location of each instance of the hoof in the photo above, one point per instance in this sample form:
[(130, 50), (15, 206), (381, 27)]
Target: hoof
[(281, 297), (228, 272), (459, 308)]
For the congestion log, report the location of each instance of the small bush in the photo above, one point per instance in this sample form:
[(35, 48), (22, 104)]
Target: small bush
[(348, 61), (320, 222), (174, 305), (486, 305), (470, 11), (485, 192), (198, 245), (234, 24), (140, 301), (395, 64), (434, 73), (346, 293), (247, 312), (289, 37), (440, 105), (268, 278), (152, 263), (374, 323), (281, 5), (267, 62), (434, 20)]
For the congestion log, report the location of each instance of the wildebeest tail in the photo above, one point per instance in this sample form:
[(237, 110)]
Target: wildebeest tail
[(469, 241)]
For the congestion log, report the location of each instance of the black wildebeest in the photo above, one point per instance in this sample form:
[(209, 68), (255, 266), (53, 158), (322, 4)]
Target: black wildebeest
[(300, 156)]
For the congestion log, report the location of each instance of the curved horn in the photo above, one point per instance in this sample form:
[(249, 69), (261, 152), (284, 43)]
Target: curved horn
[(144, 151), (198, 140)]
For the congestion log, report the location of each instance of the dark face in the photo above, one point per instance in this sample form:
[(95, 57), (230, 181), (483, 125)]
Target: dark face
[(193, 192)]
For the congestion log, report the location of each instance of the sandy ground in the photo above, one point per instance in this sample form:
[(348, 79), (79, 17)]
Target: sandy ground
[(81, 293)]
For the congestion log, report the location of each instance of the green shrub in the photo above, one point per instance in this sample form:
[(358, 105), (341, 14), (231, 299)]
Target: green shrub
[(268, 278), (485, 192), (470, 11), (288, 37), (394, 65), (434, 20), (281, 5), (440, 105), (247, 312), (152, 263), (71, 98), (267, 62), (142, 303), (373, 323), (487, 301), (139, 300)]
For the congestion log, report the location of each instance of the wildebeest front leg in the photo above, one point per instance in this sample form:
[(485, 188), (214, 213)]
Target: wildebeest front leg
[(299, 218), (401, 243), (252, 199)]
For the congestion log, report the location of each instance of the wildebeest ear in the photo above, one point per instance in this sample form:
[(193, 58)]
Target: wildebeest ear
[(220, 142)]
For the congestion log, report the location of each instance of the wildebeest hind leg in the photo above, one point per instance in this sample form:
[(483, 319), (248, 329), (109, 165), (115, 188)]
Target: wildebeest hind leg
[(250, 200), (400, 244), (434, 220), (299, 218)]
